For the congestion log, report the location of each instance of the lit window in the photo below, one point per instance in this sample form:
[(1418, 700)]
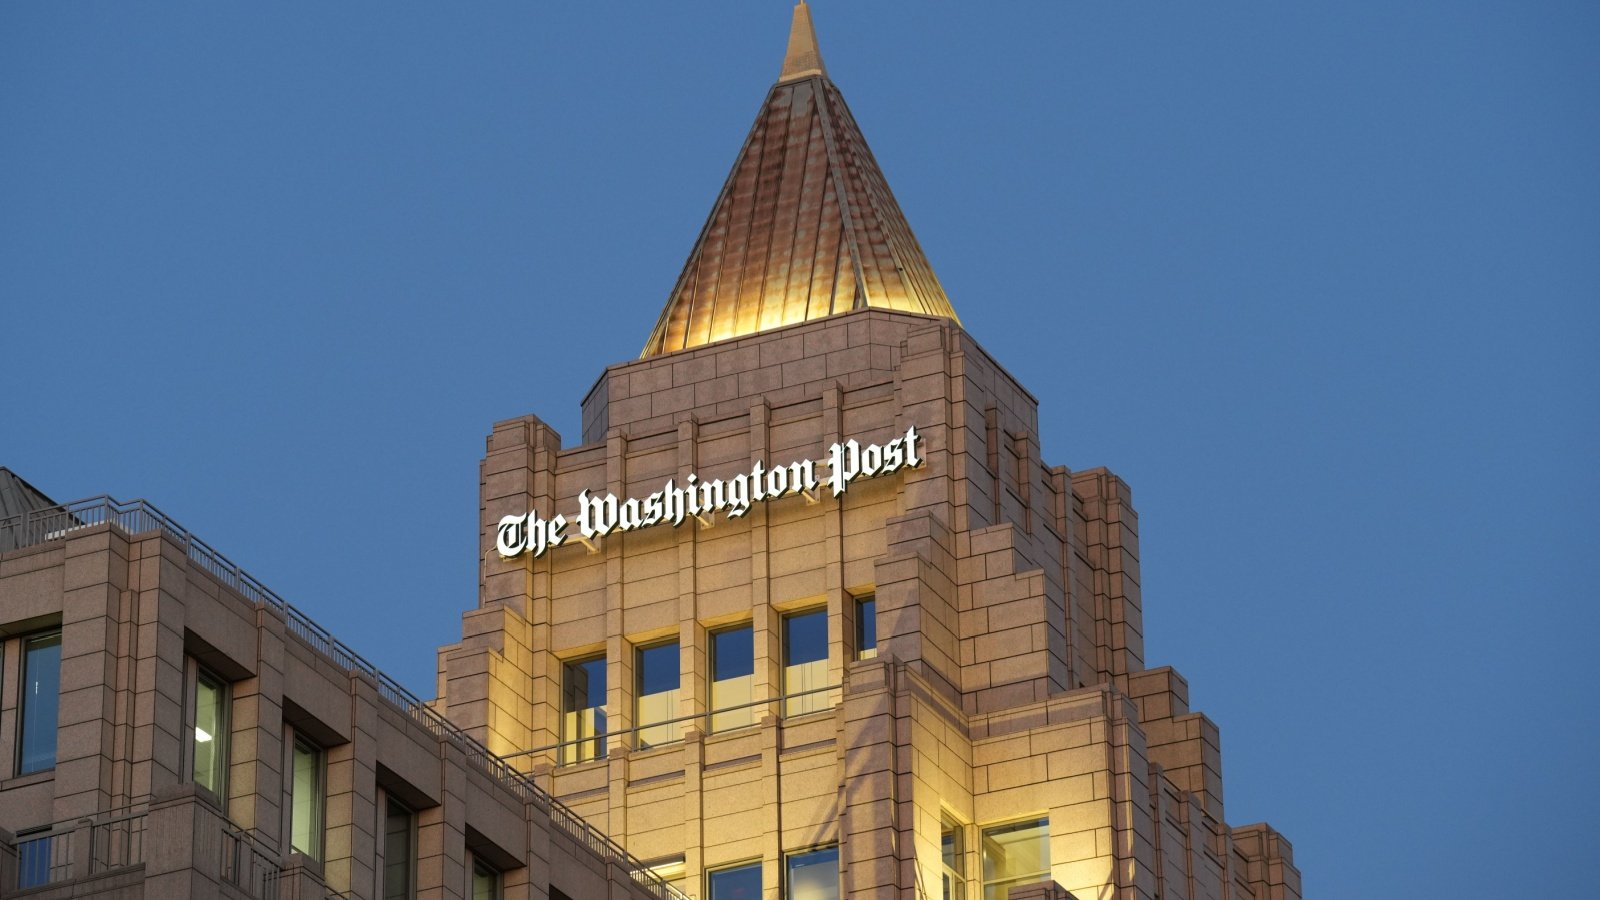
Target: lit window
[(1014, 855), (210, 767), (583, 715), (41, 701), (669, 870), (733, 667), (735, 883), (866, 627), (805, 662), (399, 851), (952, 859), (656, 695), (813, 875), (306, 800), (485, 881)]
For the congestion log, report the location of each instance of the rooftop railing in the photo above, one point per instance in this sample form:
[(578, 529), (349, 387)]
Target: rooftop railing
[(141, 516)]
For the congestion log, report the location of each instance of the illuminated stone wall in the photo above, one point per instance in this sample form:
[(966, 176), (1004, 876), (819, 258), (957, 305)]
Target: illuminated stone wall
[(1009, 679)]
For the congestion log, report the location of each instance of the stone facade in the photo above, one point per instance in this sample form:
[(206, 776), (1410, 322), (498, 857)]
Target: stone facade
[(141, 608), (1008, 680)]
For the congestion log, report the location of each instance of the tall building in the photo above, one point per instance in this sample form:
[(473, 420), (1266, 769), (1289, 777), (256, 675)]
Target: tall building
[(805, 613)]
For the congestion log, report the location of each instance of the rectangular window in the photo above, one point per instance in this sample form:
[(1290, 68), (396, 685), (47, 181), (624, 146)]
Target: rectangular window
[(812, 875), (41, 703), (735, 883), (805, 662), (485, 881), (583, 715), (307, 796), (1014, 855), (866, 627), (656, 695), (733, 675), (210, 767), (399, 851), (952, 860)]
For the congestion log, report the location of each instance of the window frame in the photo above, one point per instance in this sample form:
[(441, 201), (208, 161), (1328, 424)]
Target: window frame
[(809, 703), (863, 616), (197, 676), (756, 864), (409, 891), (662, 731), (319, 792), (1009, 881), (25, 656), (497, 886), (730, 716), (580, 748), (788, 868)]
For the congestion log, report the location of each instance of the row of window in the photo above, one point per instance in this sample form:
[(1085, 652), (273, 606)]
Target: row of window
[(1013, 854), (657, 682), (208, 750)]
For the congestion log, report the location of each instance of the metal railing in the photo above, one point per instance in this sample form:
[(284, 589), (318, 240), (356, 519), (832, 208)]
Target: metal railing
[(51, 855), (248, 866), (140, 516)]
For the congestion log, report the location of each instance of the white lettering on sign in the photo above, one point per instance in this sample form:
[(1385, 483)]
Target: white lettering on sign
[(600, 515)]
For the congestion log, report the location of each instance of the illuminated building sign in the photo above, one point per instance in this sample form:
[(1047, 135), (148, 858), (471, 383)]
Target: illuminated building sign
[(599, 516)]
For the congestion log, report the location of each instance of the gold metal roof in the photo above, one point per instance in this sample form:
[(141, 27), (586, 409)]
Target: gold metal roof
[(805, 226)]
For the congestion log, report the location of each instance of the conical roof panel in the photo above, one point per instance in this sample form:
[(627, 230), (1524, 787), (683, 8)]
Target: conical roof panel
[(805, 226)]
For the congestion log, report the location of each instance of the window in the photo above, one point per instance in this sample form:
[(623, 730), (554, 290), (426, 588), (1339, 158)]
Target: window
[(485, 881), (36, 857), (952, 861), (812, 875), (1013, 855), (41, 702), (735, 883), (733, 668), (306, 800), (399, 851), (866, 627), (210, 765), (583, 715), (656, 695), (669, 870), (805, 662)]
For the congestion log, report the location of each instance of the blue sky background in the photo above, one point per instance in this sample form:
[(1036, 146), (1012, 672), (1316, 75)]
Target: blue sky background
[(1320, 281)]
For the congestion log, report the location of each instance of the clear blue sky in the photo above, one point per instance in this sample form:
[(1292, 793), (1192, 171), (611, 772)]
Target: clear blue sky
[(1321, 283)]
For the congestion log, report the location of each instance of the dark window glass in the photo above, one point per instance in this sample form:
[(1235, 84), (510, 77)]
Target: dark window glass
[(41, 702), (866, 627), (733, 653), (485, 881), (805, 663), (813, 875), (399, 847), (733, 668), (35, 858), (583, 700), (805, 638), (736, 883), (656, 699)]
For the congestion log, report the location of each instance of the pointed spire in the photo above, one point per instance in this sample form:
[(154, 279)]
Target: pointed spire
[(803, 59), (805, 226)]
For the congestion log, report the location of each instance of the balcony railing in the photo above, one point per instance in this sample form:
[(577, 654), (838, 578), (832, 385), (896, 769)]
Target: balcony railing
[(141, 516), (79, 849)]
